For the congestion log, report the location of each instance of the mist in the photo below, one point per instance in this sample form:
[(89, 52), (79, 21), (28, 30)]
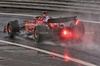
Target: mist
[(91, 40)]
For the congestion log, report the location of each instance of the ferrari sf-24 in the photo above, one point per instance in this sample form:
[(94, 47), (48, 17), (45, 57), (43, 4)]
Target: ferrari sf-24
[(63, 28)]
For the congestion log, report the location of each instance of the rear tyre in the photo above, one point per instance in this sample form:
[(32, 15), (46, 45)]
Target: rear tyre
[(13, 28), (77, 31), (40, 33)]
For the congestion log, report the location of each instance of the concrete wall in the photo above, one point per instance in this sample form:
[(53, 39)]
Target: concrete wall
[(83, 6)]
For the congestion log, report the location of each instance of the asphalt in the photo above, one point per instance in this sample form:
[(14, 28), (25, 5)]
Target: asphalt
[(11, 55)]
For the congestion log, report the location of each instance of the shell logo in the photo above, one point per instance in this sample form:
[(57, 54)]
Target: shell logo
[(26, 28)]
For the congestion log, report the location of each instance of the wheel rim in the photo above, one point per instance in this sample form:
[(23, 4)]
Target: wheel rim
[(9, 29), (36, 34)]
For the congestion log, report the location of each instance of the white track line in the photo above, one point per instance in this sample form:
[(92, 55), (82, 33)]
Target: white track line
[(39, 15), (51, 53)]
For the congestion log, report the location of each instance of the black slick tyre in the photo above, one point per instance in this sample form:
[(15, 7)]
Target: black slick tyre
[(78, 30), (13, 28), (40, 33)]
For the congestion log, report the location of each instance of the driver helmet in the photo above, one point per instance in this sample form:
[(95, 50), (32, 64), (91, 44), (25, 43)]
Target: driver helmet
[(45, 15)]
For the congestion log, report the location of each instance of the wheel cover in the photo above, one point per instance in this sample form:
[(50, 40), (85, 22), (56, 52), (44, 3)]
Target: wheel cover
[(36, 34), (9, 29), (78, 32)]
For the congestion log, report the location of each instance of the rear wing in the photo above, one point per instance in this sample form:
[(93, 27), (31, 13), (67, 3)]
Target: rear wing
[(62, 20)]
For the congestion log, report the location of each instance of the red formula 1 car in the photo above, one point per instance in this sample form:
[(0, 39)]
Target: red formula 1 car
[(64, 28)]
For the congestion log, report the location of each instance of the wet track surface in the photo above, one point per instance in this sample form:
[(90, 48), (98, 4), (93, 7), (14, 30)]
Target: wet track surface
[(11, 55)]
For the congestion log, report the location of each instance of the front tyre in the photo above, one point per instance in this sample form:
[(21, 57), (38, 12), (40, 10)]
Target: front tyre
[(12, 28)]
